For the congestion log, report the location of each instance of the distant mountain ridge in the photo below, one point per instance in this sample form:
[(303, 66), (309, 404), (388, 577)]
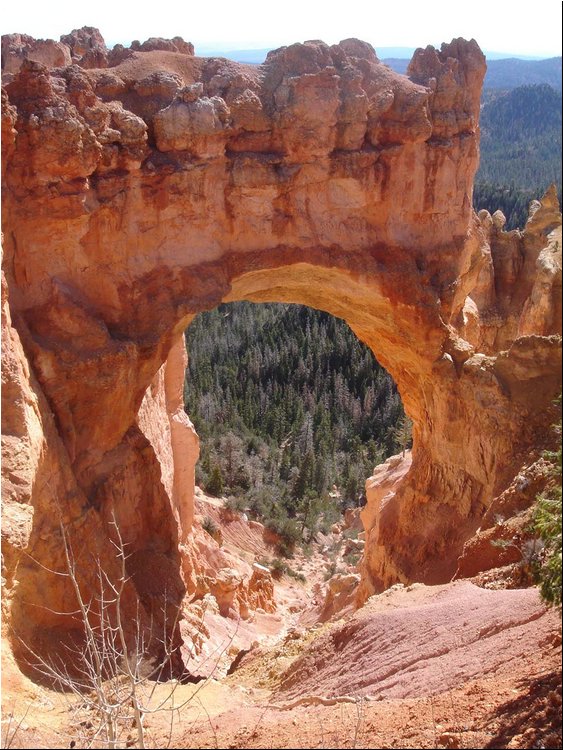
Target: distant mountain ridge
[(258, 56), (509, 73), (502, 73), (514, 72)]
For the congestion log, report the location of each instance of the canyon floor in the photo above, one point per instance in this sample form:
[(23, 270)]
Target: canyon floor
[(462, 665)]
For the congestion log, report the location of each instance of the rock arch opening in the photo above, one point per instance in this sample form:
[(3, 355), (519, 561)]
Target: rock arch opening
[(292, 412), (370, 308)]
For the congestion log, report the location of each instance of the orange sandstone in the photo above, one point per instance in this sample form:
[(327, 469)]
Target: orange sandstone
[(143, 188)]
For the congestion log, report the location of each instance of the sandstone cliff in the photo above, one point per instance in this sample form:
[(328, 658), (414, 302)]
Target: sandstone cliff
[(142, 188)]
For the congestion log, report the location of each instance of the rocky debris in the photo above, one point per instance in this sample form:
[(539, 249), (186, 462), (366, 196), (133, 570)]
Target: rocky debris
[(449, 740), (241, 535), (517, 706), (352, 546), (508, 543), (520, 495), (239, 589), (214, 532), (352, 519), (340, 595)]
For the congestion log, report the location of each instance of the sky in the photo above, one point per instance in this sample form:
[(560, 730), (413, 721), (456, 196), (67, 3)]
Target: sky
[(532, 29)]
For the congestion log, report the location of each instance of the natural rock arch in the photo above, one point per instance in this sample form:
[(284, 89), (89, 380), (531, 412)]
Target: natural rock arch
[(138, 195)]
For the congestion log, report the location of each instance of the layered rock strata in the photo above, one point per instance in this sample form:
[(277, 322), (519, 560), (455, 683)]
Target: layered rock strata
[(137, 195)]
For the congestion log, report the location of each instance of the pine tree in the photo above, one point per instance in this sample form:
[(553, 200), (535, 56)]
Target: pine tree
[(215, 483), (402, 433)]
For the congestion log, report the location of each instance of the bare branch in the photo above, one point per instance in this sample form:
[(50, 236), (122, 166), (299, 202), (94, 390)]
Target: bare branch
[(110, 672)]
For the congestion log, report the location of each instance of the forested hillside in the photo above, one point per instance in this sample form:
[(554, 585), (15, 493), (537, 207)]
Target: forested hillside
[(287, 403), (520, 150), (513, 72)]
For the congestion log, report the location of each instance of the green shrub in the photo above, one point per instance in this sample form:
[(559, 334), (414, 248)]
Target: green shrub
[(285, 550), (351, 533), (278, 568), (288, 531), (235, 504), (547, 524), (297, 576), (353, 557), (330, 571), (260, 503), (209, 525), (201, 476)]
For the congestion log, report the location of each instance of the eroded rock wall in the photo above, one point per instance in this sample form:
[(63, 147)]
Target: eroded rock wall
[(140, 193)]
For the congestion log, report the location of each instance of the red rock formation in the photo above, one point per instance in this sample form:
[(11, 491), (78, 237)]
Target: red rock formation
[(138, 195), (340, 594), (85, 47), (260, 589), (19, 47), (504, 535)]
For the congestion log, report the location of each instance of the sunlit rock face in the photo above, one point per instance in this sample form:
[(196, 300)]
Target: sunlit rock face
[(159, 184)]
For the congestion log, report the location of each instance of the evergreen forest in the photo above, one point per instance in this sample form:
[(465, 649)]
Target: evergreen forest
[(293, 412), (520, 150)]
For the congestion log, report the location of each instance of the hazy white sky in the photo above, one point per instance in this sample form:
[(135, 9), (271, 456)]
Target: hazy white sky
[(498, 25)]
